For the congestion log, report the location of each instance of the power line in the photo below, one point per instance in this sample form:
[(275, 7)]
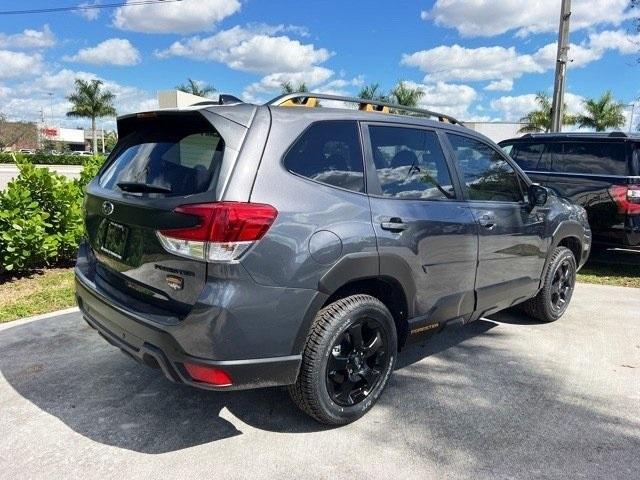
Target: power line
[(85, 7)]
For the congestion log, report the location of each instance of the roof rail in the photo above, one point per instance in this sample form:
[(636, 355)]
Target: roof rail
[(310, 100)]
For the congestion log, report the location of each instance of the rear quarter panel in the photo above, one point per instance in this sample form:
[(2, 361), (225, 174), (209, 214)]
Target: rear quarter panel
[(334, 222)]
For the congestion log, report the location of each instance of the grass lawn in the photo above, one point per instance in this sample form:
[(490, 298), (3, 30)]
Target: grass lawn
[(41, 292), (622, 275)]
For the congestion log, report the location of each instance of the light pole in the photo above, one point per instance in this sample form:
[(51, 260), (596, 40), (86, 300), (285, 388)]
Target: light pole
[(51, 104), (633, 107), (561, 67)]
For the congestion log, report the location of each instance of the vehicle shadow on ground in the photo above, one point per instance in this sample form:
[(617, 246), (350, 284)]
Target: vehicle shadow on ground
[(470, 393), (67, 370)]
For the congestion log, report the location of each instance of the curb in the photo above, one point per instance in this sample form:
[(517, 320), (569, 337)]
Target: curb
[(22, 321)]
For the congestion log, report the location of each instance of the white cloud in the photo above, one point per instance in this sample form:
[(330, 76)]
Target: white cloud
[(471, 64), (115, 51), (487, 18), (255, 49), (270, 84), (18, 64), (503, 85), (179, 17), (89, 14), (513, 108), (621, 41), (501, 65), (28, 39), (579, 55), (448, 98)]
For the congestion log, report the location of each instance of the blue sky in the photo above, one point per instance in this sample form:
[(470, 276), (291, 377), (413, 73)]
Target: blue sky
[(475, 59)]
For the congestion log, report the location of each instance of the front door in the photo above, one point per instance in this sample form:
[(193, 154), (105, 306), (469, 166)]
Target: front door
[(512, 248), (425, 233)]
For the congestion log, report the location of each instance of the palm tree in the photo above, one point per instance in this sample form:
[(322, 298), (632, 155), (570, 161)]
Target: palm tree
[(371, 92), (540, 120), (405, 95), (195, 87), (288, 87), (602, 113), (90, 101)]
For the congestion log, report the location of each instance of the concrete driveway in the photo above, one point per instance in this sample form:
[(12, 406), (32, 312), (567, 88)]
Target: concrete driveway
[(501, 398)]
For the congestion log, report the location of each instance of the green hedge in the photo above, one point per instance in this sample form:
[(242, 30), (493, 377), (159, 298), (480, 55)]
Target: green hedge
[(41, 217), (45, 159)]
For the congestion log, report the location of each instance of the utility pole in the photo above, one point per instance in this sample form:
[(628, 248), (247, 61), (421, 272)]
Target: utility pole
[(561, 67)]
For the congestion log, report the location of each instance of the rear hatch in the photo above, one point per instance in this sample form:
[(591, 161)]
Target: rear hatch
[(162, 161)]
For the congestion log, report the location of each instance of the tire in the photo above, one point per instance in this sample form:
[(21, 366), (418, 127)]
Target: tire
[(334, 360), (559, 281)]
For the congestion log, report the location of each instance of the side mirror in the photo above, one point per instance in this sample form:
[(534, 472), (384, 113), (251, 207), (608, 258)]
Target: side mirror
[(537, 195)]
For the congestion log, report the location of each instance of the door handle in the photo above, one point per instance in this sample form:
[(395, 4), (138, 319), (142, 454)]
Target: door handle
[(394, 225), (487, 221)]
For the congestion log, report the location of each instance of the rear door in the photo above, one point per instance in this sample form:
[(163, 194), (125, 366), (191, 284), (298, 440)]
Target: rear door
[(425, 233), (512, 248), (160, 162)]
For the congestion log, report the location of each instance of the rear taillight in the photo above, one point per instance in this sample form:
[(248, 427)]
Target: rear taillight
[(224, 232), (627, 197)]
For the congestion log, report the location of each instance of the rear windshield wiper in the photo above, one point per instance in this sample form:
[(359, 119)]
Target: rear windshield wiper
[(139, 187)]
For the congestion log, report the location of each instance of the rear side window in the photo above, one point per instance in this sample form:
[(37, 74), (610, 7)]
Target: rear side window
[(486, 174), (176, 156), (410, 163), (329, 152), (607, 158), (527, 155)]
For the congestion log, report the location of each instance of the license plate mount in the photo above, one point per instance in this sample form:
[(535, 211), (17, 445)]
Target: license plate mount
[(115, 238)]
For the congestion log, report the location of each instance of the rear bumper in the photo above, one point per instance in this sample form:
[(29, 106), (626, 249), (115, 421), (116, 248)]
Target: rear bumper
[(156, 347)]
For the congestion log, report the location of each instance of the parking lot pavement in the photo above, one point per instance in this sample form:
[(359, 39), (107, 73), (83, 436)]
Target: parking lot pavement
[(500, 398)]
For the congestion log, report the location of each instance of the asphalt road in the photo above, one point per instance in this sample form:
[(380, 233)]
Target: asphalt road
[(500, 398)]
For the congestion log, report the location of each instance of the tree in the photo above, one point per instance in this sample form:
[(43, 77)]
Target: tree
[(195, 87), (288, 87), (14, 133), (540, 120), (110, 140), (405, 95), (90, 101), (602, 113), (372, 92)]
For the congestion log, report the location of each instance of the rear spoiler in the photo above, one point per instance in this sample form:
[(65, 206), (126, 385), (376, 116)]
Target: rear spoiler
[(228, 121)]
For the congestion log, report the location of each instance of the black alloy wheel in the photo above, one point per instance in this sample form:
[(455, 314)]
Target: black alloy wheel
[(358, 359)]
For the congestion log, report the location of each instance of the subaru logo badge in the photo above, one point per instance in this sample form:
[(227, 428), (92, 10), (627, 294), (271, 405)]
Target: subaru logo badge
[(107, 208)]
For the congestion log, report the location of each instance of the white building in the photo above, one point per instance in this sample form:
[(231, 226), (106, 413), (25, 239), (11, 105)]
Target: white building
[(496, 131)]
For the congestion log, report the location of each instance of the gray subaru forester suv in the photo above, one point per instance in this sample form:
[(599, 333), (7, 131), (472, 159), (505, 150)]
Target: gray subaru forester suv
[(303, 242)]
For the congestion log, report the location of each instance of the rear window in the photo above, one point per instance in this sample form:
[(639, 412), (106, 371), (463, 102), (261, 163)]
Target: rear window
[(174, 156), (527, 155), (606, 158), (329, 152)]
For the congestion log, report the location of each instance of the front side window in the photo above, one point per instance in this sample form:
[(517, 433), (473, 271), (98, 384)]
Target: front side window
[(486, 174), (410, 163), (329, 152)]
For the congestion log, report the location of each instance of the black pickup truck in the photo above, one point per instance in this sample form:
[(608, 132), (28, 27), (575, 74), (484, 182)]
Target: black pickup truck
[(600, 171)]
